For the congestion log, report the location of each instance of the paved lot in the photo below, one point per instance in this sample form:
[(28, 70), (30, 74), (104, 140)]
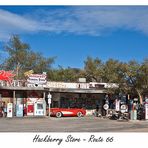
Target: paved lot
[(70, 124)]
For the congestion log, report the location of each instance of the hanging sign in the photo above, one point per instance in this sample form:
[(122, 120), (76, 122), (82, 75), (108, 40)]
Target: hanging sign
[(38, 79)]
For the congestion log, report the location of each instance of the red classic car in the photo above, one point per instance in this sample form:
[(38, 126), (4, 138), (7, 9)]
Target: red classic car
[(67, 112)]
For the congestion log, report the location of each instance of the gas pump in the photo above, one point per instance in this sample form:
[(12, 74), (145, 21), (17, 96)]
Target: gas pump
[(9, 110), (19, 107), (134, 109), (30, 108), (19, 110), (40, 108), (146, 108)]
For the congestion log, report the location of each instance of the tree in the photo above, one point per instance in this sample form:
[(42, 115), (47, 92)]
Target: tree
[(93, 69), (21, 58), (131, 77), (65, 74), (134, 77), (18, 52), (110, 71), (144, 76)]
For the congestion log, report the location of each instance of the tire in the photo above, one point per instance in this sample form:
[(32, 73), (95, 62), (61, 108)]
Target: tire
[(58, 114), (80, 114)]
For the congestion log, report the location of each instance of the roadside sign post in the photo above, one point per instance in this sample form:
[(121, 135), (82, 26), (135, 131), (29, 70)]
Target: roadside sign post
[(106, 107), (49, 102)]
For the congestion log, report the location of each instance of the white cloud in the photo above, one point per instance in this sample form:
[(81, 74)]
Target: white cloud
[(11, 23), (94, 20)]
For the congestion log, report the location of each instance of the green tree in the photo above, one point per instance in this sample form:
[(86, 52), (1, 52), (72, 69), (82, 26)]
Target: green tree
[(21, 58), (65, 74), (93, 69), (144, 76), (110, 71), (134, 77)]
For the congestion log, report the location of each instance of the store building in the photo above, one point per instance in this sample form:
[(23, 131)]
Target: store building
[(23, 98), (79, 95), (31, 99)]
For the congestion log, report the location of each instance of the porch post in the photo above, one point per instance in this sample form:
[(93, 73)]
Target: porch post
[(14, 103), (44, 95)]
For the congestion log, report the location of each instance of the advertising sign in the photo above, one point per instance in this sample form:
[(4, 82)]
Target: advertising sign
[(19, 110), (49, 101), (106, 106), (37, 79), (123, 108), (82, 80), (67, 85), (9, 110), (27, 73), (6, 75)]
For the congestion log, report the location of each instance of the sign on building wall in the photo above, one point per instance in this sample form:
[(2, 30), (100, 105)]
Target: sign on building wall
[(67, 85), (6, 75), (36, 79), (82, 80), (78, 85)]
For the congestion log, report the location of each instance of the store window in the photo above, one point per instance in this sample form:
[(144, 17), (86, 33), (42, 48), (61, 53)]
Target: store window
[(88, 103)]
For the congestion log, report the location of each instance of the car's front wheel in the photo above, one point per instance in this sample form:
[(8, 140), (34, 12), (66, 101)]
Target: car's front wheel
[(80, 114), (58, 114)]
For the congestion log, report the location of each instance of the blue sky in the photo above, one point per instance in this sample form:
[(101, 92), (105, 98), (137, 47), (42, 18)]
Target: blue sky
[(72, 33)]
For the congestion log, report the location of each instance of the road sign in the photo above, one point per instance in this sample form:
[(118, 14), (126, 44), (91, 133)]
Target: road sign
[(123, 108), (49, 101), (49, 96), (106, 106)]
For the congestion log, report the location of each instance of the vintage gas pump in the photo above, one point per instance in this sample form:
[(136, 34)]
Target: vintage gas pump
[(30, 107), (19, 107), (40, 108), (19, 110), (9, 110)]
